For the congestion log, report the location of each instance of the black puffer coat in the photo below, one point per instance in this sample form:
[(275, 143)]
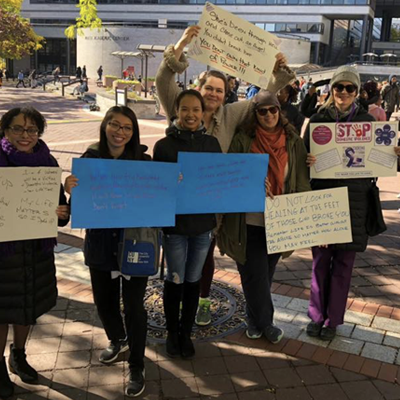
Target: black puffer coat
[(167, 150), (101, 245), (358, 189), (28, 286)]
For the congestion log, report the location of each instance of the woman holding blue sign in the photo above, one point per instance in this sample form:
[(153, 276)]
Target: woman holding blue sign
[(28, 286), (333, 264), (186, 244), (220, 120), (119, 140), (242, 236)]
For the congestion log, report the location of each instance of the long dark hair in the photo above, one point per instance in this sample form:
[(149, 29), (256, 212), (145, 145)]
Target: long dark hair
[(29, 113), (132, 148)]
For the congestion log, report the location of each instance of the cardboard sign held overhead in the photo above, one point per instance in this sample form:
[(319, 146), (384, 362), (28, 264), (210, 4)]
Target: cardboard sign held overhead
[(235, 46)]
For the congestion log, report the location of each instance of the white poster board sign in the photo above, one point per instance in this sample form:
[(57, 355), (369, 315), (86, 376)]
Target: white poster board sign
[(28, 201), (234, 46), (301, 220), (354, 150)]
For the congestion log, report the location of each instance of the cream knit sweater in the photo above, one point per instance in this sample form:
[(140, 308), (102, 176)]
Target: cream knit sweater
[(227, 118)]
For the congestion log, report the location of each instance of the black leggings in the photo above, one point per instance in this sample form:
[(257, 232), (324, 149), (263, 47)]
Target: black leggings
[(106, 294)]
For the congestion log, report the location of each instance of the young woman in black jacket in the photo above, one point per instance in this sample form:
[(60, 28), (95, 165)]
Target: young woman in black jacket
[(119, 139), (333, 264), (187, 243)]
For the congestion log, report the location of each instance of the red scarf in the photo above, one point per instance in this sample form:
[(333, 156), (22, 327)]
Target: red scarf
[(273, 144)]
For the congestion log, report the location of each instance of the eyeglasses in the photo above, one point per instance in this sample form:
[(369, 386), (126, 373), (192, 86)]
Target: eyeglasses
[(19, 130), (264, 111), (116, 127), (349, 88)]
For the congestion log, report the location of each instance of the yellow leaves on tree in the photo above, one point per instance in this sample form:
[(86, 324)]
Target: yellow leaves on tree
[(87, 18), (18, 39)]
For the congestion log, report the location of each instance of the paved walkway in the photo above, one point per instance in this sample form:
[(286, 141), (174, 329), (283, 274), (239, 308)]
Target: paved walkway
[(362, 362)]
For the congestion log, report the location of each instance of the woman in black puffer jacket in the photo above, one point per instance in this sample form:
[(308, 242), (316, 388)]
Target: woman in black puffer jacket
[(333, 265), (28, 286), (187, 243)]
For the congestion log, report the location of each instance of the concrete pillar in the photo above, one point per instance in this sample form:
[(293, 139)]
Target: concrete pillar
[(364, 36), (68, 57)]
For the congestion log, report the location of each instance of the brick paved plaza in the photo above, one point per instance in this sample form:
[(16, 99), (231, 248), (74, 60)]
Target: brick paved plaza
[(362, 362)]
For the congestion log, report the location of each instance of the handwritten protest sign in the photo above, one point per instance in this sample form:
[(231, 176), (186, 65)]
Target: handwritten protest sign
[(221, 183), (354, 150), (300, 220), (28, 201), (234, 46), (123, 194)]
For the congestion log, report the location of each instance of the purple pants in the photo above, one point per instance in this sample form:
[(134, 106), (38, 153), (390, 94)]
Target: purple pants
[(330, 285)]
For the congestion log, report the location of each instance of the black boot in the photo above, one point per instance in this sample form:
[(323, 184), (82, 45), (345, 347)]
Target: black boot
[(172, 300), (191, 292), (6, 386), (19, 366)]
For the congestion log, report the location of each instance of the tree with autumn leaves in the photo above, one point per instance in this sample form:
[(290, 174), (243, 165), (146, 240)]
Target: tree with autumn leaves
[(17, 37), (87, 18)]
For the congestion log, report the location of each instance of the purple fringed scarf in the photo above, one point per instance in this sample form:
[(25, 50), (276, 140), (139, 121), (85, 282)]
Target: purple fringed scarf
[(11, 157)]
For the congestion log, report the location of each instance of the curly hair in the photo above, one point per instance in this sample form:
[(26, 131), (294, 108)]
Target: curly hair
[(29, 113)]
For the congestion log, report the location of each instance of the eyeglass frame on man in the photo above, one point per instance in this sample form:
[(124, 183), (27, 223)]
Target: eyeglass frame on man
[(19, 130), (264, 111), (113, 125)]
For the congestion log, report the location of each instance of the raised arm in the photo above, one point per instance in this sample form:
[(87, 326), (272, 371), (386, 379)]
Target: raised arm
[(174, 62)]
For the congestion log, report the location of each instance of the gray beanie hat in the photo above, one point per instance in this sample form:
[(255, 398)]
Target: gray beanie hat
[(265, 98), (345, 73)]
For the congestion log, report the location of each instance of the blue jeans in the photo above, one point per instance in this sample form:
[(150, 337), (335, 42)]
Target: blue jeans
[(185, 256)]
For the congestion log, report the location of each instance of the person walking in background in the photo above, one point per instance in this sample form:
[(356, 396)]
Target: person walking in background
[(376, 110), (100, 72), (333, 264), (119, 140), (242, 236), (20, 79), (187, 243), (286, 97), (1, 78), (78, 73), (391, 96), (231, 96), (32, 79), (56, 74), (84, 75), (28, 286)]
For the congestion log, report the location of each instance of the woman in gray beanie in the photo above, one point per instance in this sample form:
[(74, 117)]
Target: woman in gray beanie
[(242, 236), (333, 264)]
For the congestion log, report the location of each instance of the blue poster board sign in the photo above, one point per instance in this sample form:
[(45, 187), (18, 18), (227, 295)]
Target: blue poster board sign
[(221, 183), (123, 194)]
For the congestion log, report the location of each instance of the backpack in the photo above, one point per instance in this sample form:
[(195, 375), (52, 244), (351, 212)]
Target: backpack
[(139, 251)]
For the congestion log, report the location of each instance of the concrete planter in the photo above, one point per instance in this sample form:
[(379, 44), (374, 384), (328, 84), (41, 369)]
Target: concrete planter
[(122, 85), (145, 109), (108, 81)]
